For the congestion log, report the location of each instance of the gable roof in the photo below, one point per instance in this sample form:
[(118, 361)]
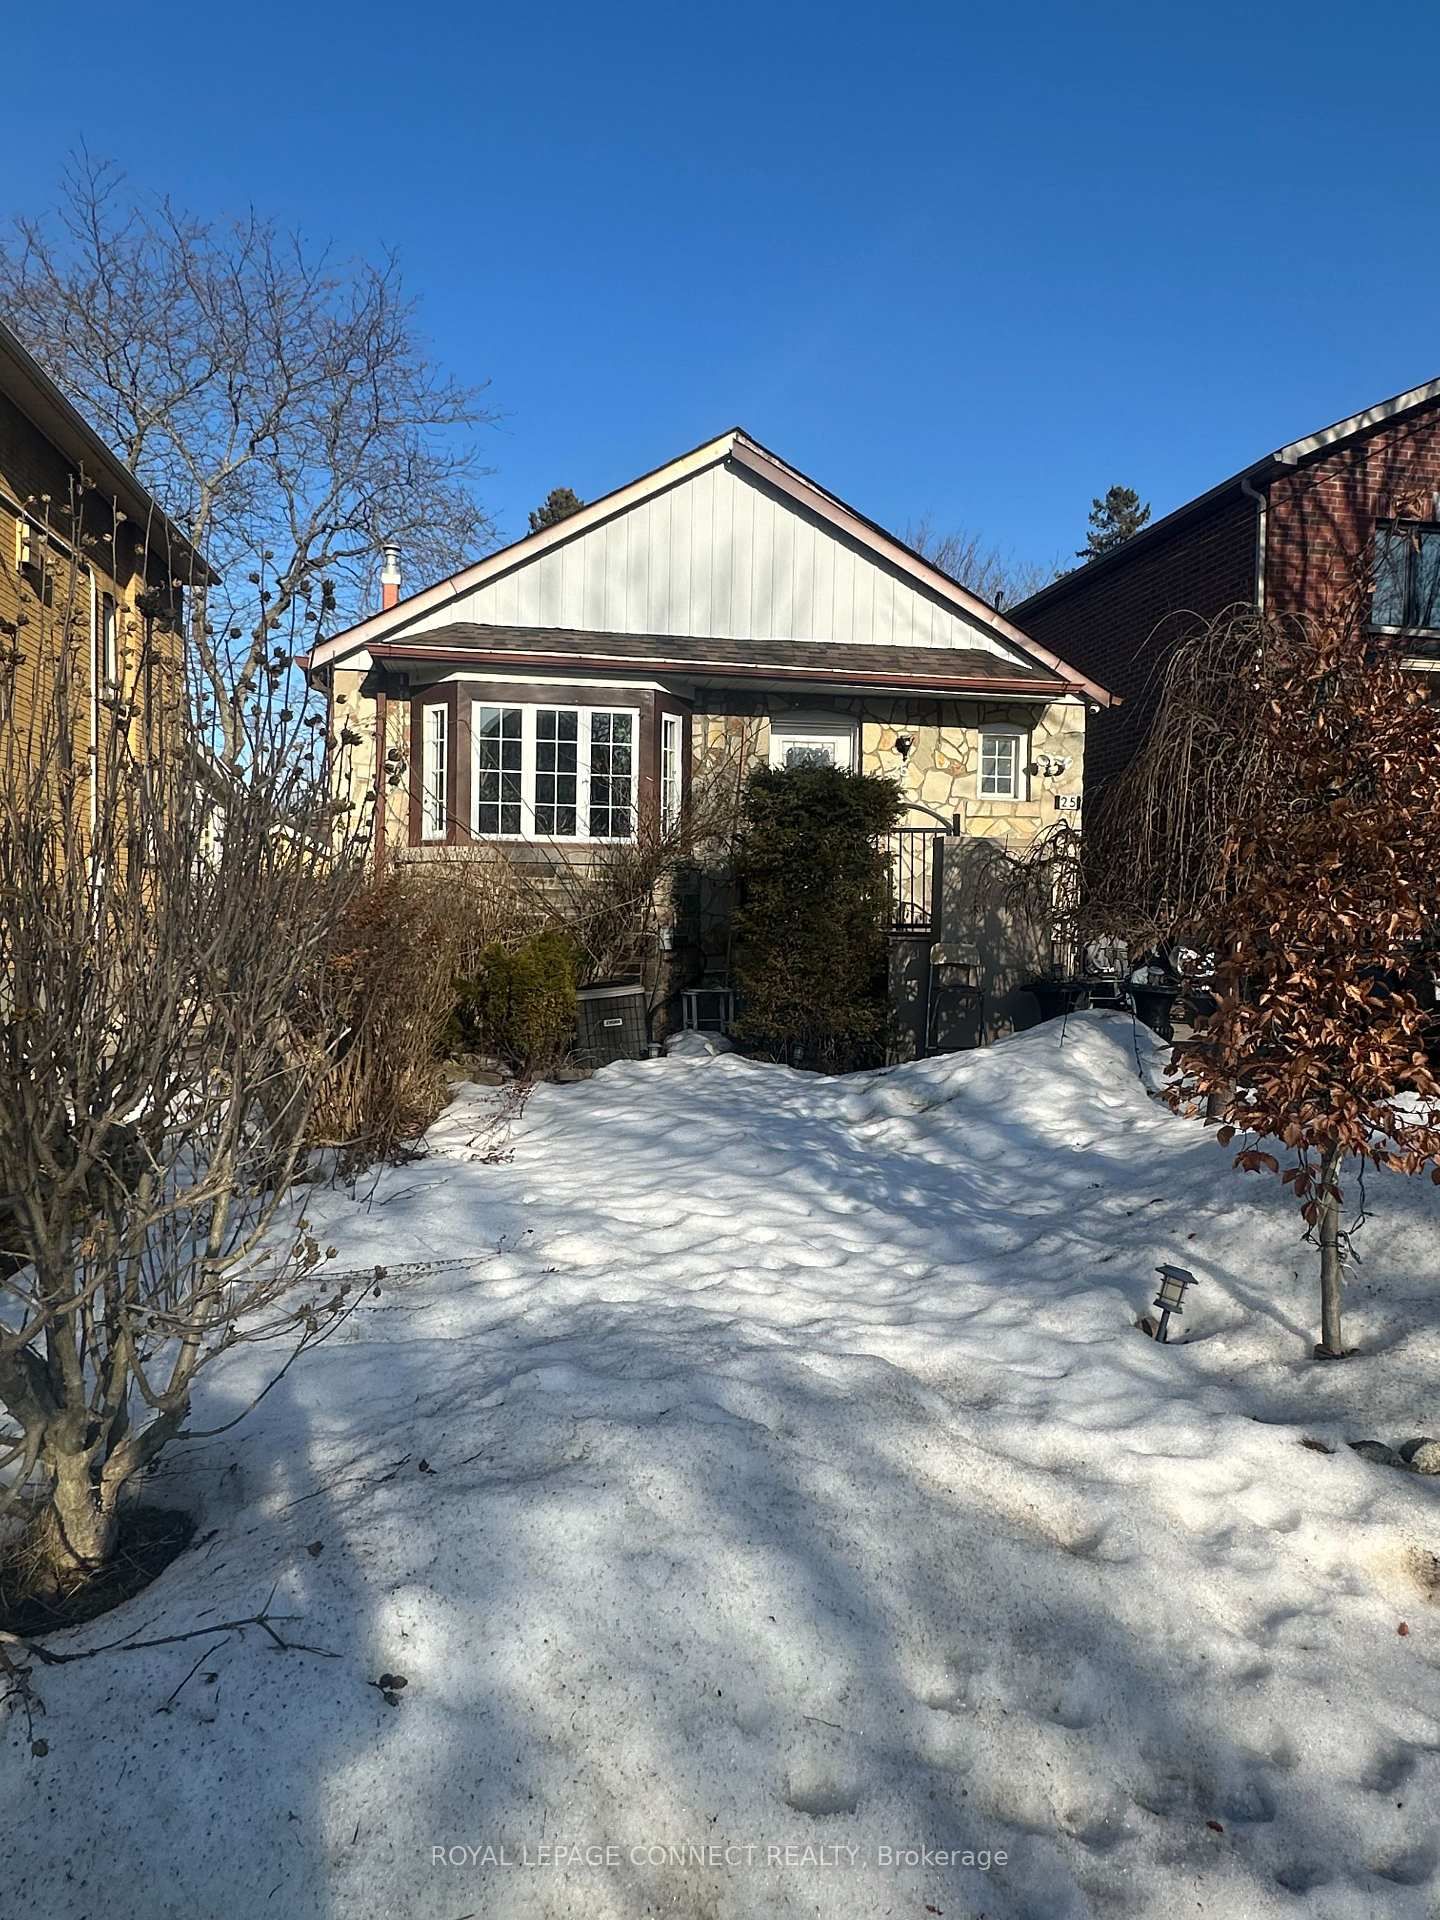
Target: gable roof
[(26, 382), (1259, 471), (739, 450)]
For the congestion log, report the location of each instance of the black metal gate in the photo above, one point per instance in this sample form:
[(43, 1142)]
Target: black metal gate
[(911, 854)]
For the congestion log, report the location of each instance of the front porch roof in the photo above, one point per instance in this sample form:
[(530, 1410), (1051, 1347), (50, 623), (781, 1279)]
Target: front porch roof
[(467, 644)]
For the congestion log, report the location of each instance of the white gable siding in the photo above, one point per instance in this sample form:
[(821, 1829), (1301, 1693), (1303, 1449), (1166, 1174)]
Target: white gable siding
[(719, 556)]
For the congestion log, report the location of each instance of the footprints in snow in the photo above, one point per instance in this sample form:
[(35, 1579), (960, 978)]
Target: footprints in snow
[(821, 1793)]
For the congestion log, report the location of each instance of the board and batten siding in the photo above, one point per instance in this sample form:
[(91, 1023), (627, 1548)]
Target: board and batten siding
[(719, 556)]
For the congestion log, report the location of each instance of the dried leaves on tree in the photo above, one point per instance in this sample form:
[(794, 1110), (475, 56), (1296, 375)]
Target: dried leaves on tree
[(1284, 820)]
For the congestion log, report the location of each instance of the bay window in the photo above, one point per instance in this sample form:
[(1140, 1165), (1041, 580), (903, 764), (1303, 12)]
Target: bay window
[(611, 793), (557, 772), (553, 773)]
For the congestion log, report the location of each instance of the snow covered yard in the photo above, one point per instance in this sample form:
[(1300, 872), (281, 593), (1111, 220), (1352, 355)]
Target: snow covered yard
[(758, 1473)]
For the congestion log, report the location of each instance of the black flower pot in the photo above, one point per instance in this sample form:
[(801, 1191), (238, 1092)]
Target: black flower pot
[(1154, 1008), (1056, 998)]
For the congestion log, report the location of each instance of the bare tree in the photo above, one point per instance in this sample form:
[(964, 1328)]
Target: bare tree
[(279, 404), (988, 570), (162, 1035)]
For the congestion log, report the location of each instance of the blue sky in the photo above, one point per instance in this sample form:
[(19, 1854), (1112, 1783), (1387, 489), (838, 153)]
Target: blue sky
[(976, 262)]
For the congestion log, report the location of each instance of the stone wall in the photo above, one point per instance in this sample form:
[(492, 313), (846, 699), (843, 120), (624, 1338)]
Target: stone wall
[(938, 775)]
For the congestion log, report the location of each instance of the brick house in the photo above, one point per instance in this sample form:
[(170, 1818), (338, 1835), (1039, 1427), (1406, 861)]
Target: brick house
[(1281, 535), (91, 573)]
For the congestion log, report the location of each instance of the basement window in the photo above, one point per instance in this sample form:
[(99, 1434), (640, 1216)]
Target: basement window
[(1407, 576), (1002, 763)]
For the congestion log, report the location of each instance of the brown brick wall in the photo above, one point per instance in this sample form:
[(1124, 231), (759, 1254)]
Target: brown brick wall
[(1322, 514), (1117, 622)]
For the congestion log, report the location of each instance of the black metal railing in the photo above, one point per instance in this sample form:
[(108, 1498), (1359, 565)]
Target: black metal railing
[(911, 854)]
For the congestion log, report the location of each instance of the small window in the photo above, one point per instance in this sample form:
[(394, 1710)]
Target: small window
[(800, 741), (109, 643), (1407, 576), (670, 774), (434, 772), (1002, 769)]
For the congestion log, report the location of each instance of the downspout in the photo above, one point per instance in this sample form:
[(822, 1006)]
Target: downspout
[(390, 584), (381, 782), (1262, 504), (94, 704)]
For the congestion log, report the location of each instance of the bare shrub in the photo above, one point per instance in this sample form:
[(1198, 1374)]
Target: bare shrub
[(399, 955), (612, 901), (163, 927), (391, 968)]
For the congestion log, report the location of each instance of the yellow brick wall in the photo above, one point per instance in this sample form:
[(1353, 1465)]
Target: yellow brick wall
[(75, 537)]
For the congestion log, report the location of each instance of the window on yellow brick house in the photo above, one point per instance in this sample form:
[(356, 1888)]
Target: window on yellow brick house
[(109, 643)]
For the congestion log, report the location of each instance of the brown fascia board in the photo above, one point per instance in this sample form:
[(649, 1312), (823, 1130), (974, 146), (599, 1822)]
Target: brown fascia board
[(809, 493), (422, 599), (741, 448), (46, 407), (706, 670)]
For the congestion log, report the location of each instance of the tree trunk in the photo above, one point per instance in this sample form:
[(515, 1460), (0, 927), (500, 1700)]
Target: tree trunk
[(1331, 1341), (77, 1536)]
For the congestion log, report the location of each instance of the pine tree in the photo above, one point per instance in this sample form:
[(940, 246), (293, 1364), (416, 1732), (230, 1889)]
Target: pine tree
[(557, 505), (1113, 520)]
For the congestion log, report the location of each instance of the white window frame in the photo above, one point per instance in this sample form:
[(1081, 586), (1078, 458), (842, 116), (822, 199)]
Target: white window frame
[(434, 771), (672, 771), (109, 641), (529, 714), (813, 730), (1020, 788)]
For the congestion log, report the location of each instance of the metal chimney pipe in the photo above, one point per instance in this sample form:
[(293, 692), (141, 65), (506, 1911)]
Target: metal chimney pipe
[(389, 575)]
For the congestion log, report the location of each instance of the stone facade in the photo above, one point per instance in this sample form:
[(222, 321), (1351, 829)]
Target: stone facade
[(937, 769)]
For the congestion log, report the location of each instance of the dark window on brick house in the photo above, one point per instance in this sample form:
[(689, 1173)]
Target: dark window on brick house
[(1407, 576)]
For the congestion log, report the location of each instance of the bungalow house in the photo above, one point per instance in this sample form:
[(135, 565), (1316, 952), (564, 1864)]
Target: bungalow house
[(570, 689), (1282, 534)]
